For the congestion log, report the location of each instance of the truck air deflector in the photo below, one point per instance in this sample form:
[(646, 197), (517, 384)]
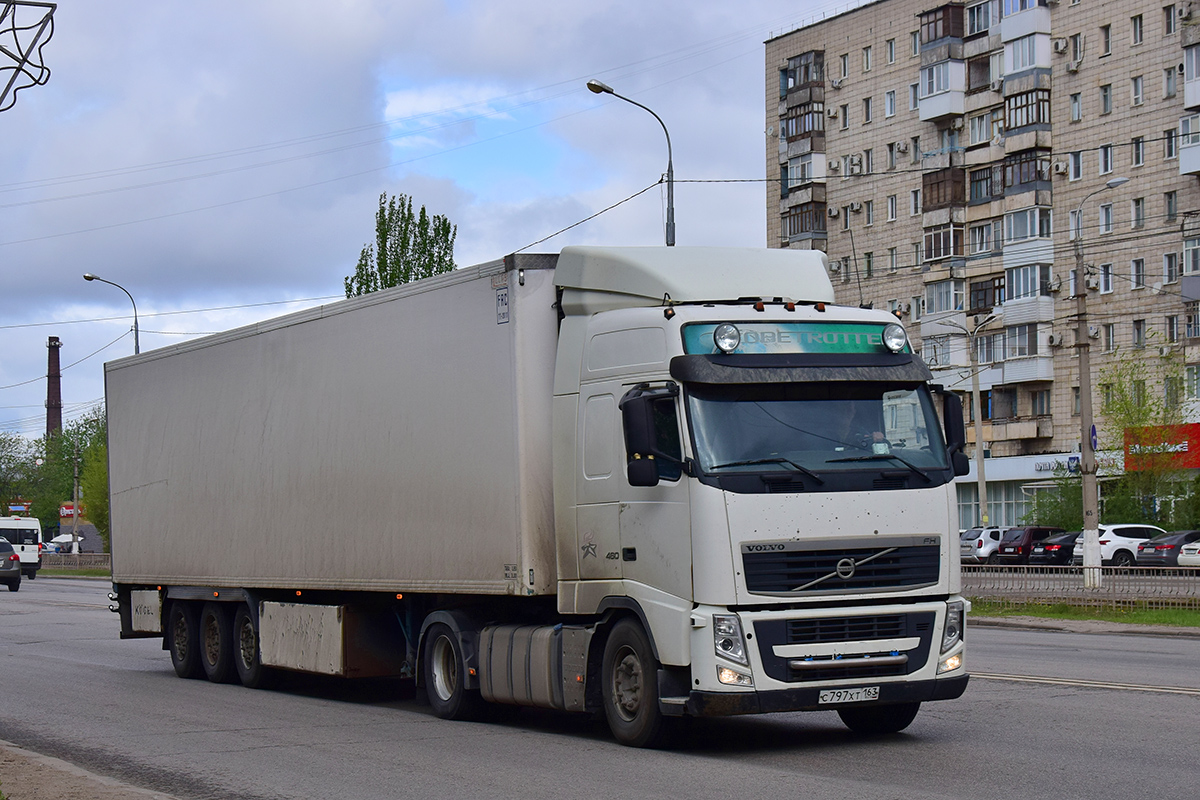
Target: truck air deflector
[(899, 369)]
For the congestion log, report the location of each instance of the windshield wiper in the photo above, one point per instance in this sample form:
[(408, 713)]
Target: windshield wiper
[(754, 462), (885, 457)]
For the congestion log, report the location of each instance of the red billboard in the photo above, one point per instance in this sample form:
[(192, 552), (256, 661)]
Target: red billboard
[(1162, 447)]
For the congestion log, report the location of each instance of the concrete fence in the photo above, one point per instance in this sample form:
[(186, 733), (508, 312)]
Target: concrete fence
[(1120, 587)]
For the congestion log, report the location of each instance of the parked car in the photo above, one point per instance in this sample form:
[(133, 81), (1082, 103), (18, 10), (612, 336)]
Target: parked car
[(980, 545), (1189, 555), (1055, 550), (25, 535), (1017, 543), (1163, 551), (1118, 544), (10, 566)]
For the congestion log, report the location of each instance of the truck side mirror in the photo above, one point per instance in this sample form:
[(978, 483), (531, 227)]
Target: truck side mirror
[(956, 436), (645, 460)]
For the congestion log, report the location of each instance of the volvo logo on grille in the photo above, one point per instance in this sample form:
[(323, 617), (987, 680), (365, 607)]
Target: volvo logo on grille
[(845, 569)]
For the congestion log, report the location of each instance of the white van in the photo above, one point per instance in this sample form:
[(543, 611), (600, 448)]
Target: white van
[(25, 535)]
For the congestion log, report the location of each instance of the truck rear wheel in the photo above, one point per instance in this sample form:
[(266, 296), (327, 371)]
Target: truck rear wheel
[(183, 639), (216, 642), (874, 720), (443, 670), (246, 655), (630, 687)]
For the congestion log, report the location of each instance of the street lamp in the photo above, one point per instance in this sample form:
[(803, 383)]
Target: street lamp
[(1087, 451), (981, 481), (602, 88), (87, 276)]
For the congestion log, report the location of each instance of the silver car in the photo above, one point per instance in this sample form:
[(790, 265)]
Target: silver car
[(10, 566)]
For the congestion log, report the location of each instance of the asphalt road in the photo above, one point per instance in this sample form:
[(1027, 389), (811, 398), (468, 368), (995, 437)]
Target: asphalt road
[(70, 688)]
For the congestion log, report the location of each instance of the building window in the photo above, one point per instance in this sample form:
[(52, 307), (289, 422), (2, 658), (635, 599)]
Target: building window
[(1171, 328), (944, 296), (1191, 256), (1135, 25), (1137, 151), (1017, 6), (979, 129), (891, 208), (1169, 23), (985, 353), (1073, 225), (1137, 273), (844, 113), (1170, 82), (1106, 159), (916, 149), (914, 41), (986, 295), (893, 261), (914, 96), (868, 264), (1076, 107), (1135, 90), (805, 219), (1105, 40), (936, 79), (866, 59), (800, 170), (914, 198), (985, 183), (935, 350), (868, 161), (1170, 267), (942, 22), (1139, 334), (1170, 206), (1075, 165), (845, 218), (981, 241), (1192, 331), (889, 103), (1031, 280), (943, 188), (1189, 130), (869, 212), (1106, 99), (1106, 279), (1020, 341), (979, 18), (1110, 338), (803, 120), (1028, 167), (1106, 218), (803, 69), (1028, 223), (891, 51), (1170, 144), (1021, 53), (943, 241), (1039, 402), (866, 110), (1137, 212), (845, 64), (1027, 108)]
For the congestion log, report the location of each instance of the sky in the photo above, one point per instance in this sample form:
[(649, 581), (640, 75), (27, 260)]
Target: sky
[(223, 161)]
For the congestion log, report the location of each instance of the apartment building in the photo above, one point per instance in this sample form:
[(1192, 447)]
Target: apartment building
[(957, 160)]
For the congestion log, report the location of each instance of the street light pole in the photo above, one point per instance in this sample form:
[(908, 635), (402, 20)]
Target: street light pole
[(1087, 452), (602, 88), (87, 276), (980, 479)]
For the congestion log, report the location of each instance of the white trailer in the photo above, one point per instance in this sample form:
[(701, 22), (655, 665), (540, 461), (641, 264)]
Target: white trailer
[(653, 481)]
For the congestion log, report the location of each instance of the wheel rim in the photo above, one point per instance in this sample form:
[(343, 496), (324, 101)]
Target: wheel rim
[(212, 639), (444, 668), (247, 644), (180, 638), (627, 684)]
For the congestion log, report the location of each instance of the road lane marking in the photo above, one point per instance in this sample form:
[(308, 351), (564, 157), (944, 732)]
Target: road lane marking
[(997, 676)]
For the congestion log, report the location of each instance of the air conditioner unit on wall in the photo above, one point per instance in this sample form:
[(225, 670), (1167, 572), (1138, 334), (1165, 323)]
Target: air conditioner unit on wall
[(901, 147), (997, 85), (832, 212), (1164, 351), (836, 83), (1060, 168), (856, 206), (1060, 45), (1093, 332), (836, 264), (832, 112), (1054, 340), (1092, 282), (1072, 66), (833, 166)]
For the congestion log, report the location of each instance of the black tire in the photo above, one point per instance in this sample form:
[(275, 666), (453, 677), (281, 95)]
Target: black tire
[(183, 640), (1123, 558), (216, 642), (15, 584), (630, 687), (993, 559), (443, 672), (31, 574), (246, 654), (878, 720)]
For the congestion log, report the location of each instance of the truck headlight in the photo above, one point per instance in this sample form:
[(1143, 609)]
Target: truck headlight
[(727, 638), (953, 632)]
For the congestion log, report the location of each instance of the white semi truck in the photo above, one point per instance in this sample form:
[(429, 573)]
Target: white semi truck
[(654, 482)]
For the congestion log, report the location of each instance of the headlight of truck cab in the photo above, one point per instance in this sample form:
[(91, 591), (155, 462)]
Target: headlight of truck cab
[(952, 634), (728, 639)]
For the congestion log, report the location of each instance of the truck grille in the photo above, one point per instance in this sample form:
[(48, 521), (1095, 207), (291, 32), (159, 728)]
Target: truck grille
[(852, 662), (793, 568)]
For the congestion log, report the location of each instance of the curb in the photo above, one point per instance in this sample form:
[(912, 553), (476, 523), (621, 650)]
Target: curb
[(1083, 626)]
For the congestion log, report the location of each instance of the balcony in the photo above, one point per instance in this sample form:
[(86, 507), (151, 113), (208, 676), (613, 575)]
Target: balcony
[(1009, 430), (1189, 145), (1028, 368)]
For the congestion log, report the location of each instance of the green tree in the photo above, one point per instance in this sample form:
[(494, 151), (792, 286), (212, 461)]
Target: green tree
[(408, 247), (93, 486), (51, 461), (14, 459), (1060, 506)]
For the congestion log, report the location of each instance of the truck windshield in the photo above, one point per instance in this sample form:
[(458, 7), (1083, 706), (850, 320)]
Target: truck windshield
[(827, 427)]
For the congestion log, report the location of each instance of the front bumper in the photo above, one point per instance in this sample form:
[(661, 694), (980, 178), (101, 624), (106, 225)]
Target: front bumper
[(723, 704)]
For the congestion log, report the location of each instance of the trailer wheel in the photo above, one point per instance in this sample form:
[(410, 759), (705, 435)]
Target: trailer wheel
[(246, 657), (443, 669), (630, 687), (216, 642), (183, 639), (875, 720)]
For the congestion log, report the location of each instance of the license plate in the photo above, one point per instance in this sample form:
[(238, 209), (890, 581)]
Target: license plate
[(1039, 549), (860, 695)]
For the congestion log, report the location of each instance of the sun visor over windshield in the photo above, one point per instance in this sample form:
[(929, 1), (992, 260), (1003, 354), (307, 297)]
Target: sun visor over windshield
[(899, 368)]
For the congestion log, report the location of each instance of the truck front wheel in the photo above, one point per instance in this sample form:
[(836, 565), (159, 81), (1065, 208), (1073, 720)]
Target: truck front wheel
[(216, 642), (183, 640), (443, 670), (875, 720), (630, 687)]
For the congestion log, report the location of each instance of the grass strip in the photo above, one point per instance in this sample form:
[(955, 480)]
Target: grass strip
[(62, 572), (1176, 617)]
